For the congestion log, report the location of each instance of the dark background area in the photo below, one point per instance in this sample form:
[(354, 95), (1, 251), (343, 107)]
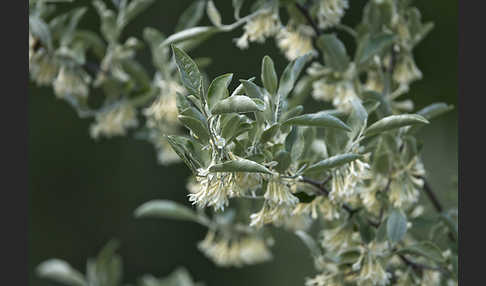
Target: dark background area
[(83, 192)]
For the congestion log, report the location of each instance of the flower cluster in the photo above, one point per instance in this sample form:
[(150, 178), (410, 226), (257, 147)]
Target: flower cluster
[(244, 250), (258, 161)]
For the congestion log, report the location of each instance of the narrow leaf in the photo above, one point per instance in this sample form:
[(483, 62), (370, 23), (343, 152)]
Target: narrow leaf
[(269, 75), (318, 119), (309, 242), (252, 90), (426, 248), (371, 46), (196, 126), (240, 165), (213, 14), (190, 76), (191, 16), (218, 89), (166, 209), (291, 73), (396, 226), (60, 271), (332, 162), (434, 110), (237, 104), (191, 33), (394, 122), (334, 52), (237, 6)]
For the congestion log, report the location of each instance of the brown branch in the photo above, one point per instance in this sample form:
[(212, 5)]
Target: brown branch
[(432, 196), (308, 17), (323, 191), (419, 267)]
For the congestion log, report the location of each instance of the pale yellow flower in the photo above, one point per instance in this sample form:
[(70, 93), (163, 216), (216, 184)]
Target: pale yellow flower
[(330, 12), (71, 82), (406, 71), (115, 121), (296, 42), (258, 28), (225, 252)]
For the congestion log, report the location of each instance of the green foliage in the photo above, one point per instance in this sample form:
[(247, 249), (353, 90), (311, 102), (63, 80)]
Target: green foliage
[(257, 158)]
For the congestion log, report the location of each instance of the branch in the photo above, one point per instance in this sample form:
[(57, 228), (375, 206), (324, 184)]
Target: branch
[(432, 197), (323, 191), (420, 267), (308, 17)]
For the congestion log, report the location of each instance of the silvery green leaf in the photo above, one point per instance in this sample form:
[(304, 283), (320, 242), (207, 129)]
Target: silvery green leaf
[(357, 119), (295, 146), (381, 234), (378, 15), (134, 8), (238, 104), (196, 126), (213, 14), (252, 90), (106, 269), (309, 242), (319, 119), (74, 18), (332, 162), (166, 209), (303, 88), (240, 165), (334, 52), (394, 122), (269, 75), (191, 33), (283, 158), (291, 73), (190, 75), (237, 6), (425, 248), (91, 41), (218, 89), (109, 27), (240, 89), (182, 146), (137, 72), (396, 226), (434, 110), (191, 111), (229, 125), (366, 231), (182, 102), (191, 16), (372, 45), (381, 162), (295, 111), (60, 271), (179, 277), (269, 133), (40, 30), (291, 138), (309, 134), (349, 256), (417, 29)]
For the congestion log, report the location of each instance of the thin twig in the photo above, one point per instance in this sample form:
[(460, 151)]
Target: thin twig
[(420, 267), (308, 17), (323, 191), (432, 197)]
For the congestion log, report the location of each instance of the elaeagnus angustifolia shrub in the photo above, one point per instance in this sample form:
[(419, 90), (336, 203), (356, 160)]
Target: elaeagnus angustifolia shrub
[(259, 160)]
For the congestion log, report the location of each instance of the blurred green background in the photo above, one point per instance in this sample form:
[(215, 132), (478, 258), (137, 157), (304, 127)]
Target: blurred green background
[(82, 192)]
